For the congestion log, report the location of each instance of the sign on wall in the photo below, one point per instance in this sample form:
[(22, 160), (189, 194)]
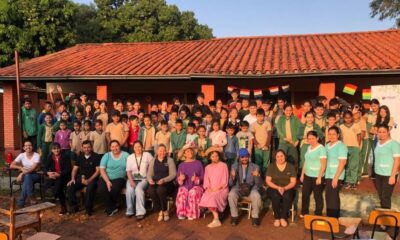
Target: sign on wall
[(389, 95)]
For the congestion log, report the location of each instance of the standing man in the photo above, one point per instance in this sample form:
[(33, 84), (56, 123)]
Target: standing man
[(29, 123)]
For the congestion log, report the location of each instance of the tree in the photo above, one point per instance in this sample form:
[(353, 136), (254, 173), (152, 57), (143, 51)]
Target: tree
[(386, 9), (144, 20), (34, 27)]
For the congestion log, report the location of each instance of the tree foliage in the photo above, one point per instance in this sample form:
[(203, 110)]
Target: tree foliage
[(386, 9), (39, 27)]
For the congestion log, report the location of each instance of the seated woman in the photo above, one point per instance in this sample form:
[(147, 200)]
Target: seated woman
[(113, 176), (136, 169), (58, 172), (281, 180), (161, 174), (27, 163), (190, 177), (216, 187)]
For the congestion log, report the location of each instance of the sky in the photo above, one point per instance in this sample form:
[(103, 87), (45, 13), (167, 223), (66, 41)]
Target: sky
[(230, 18)]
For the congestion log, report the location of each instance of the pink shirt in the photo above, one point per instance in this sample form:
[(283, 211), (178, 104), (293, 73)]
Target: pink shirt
[(218, 138)]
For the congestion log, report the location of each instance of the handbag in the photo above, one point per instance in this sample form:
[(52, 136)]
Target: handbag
[(244, 187)]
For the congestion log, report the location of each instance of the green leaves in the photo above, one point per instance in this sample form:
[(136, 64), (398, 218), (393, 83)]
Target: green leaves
[(39, 27), (386, 9)]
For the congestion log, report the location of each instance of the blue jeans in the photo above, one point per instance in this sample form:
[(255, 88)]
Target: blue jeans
[(27, 187), (136, 194)]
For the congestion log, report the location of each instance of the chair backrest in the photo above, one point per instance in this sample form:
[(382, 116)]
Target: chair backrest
[(320, 223), (384, 217)]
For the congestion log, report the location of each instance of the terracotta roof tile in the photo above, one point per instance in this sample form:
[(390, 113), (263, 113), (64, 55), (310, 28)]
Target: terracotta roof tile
[(248, 56)]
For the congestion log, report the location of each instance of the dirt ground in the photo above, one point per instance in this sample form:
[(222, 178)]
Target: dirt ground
[(100, 226)]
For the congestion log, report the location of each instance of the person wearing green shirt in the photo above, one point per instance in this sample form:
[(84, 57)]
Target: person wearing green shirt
[(334, 175), (178, 139), (64, 117), (387, 162), (312, 175), (287, 128), (309, 125), (29, 122), (45, 137), (113, 176)]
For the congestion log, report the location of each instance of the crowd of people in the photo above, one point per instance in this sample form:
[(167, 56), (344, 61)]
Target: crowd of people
[(206, 156)]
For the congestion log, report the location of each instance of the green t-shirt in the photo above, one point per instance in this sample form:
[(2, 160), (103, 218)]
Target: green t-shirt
[(335, 153), (312, 164), (384, 154), (29, 124), (115, 168)]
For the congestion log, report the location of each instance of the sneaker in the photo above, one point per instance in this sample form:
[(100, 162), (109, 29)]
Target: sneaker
[(111, 213), (139, 217), (364, 175), (181, 218), (160, 216), (347, 186), (256, 222), (63, 211), (234, 221), (129, 215), (214, 223), (190, 219), (277, 223), (166, 216), (283, 222)]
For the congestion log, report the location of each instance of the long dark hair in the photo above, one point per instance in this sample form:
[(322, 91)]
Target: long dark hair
[(386, 120)]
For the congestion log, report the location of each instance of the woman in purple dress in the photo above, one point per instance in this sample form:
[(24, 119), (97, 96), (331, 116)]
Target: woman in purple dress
[(189, 177), (216, 187)]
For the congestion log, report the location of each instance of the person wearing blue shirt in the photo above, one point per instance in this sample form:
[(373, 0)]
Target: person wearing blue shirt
[(312, 174), (387, 161), (334, 174)]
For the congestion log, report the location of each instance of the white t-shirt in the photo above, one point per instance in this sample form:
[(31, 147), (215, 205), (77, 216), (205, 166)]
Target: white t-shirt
[(27, 163), (250, 119), (132, 163)]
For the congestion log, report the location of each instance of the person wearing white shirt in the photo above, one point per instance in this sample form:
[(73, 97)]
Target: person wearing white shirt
[(136, 168), (27, 163)]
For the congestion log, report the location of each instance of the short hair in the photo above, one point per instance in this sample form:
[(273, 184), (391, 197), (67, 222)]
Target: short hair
[(212, 103), (27, 100), (48, 114), (98, 121), (375, 101), (287, 106), (260, 111), (86, 142), (331, 114), (385, 126), (87, 122), (253, 104), (55, 145), (230, 126), (333, 101), (133, 117), (312, 133), (78, 122), (347, 112), (179, 121), (334, 128), (309, 112), (200, 94), (191, 125), (244, 124), (114, 141), (63, 122), (115, 114), (163, 122), (201, 126), (319, 104)]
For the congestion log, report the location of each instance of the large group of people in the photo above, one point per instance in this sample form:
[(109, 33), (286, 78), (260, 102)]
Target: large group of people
[(206, 156)]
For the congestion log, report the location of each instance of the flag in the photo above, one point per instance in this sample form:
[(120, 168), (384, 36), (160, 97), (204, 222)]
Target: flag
[(258, 93), (349, 89), (285, 88), (244, 93), (366, 94), (274, 90), (231, 89)]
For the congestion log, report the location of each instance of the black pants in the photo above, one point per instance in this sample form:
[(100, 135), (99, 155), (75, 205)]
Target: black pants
[(310, 186), (89, 195), (281, 204), (332, 198), (57, 185), (385, 190), (159, 194), (111, 197)]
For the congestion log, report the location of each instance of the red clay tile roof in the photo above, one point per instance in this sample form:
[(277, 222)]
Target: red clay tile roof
[(356, 52)]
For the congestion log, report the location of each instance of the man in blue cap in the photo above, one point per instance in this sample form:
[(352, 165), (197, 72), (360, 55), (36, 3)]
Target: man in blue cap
[(245, 181)]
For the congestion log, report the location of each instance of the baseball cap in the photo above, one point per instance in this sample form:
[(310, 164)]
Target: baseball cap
[(243, 152)]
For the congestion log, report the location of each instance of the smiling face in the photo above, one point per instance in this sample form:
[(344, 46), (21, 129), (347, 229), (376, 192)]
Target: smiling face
[(312, 140), (28, 147), (214, 157), (288, 111), (383, 134), (333, 136), (280, 158), (115, 148), (189, 154)]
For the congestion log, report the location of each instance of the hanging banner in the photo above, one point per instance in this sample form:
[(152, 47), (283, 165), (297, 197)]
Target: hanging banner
[(274, 90), (366, 94), (389, 95), (258, 93), (350, 89), (244, 93), (285, 88)]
